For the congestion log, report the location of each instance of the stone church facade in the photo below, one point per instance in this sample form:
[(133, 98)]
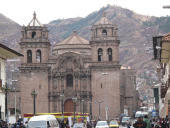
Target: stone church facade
[(79, 75)]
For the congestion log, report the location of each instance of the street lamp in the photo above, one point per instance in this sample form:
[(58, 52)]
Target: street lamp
[(90, 108), (83, 108), (6, 89), (62, 103), (34, 95), (106, 109), (99, 102), (74, 101), (15, 99)]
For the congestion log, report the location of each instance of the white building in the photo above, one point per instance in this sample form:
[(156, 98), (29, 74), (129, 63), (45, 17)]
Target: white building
[(5, 53)]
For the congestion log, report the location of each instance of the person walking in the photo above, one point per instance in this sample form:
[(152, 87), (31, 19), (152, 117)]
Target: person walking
[(147, 121), (140, 123)]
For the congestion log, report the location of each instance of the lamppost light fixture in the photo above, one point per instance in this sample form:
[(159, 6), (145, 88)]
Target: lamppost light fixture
[(34, 93), (74, 99), (61, 95)]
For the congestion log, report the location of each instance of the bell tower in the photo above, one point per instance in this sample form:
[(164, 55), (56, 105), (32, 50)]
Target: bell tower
[(34, 42), (105, 70), (104, 42), (34, 69)]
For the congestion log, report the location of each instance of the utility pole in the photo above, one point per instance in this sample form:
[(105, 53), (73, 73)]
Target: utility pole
[(83, 108), (34, 95), (15, 100), (62, 104), (6, 90), (90, 107)]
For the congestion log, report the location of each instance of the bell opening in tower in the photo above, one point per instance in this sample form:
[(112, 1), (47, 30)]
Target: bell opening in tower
[(38, 56), (29, 56), (33, 34), (109, 52), (100, 53), (104, 32)]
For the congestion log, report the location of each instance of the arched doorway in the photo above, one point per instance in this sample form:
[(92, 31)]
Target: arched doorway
[(68, 106)]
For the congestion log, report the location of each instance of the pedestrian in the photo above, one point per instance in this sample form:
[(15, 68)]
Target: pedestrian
[(163, 123), (95, 122), (157, 124), (147, 121), (88, 124), (140, 123)]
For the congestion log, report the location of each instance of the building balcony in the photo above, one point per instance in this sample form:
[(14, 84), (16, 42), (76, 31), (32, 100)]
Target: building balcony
[(163, 91)]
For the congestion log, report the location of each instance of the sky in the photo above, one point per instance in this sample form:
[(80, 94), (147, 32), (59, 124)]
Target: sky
[(21, 11)]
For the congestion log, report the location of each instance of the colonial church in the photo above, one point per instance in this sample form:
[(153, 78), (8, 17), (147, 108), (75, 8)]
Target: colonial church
[(79, 75)]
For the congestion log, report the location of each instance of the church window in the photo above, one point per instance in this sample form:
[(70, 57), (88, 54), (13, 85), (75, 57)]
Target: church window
[(69, 80), (33, 34), (43, 35), (38, 56), (104, 32), (109, 52), (100, 53), (29, 56)]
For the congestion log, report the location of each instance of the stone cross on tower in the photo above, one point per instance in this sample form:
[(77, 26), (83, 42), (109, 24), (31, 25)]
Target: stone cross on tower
[(34, 21)]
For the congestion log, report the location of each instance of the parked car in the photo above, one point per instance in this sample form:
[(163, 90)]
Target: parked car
[(43, 121), (113, 124), (79, 125), (126, 121), (102, 124)]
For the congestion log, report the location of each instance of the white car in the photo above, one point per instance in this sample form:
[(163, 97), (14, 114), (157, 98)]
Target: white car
[(43, 121), (102, 124), (79, 125)]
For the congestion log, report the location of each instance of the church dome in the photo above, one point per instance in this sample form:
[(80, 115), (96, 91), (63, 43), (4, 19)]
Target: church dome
[(73, 43), (74, 39)]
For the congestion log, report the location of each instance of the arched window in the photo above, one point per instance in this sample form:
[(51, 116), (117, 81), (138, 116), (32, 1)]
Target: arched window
[(38, 56), (69, 79), (29, 56), (104, 32), (33, 34), (109, 52), (100, 53)]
